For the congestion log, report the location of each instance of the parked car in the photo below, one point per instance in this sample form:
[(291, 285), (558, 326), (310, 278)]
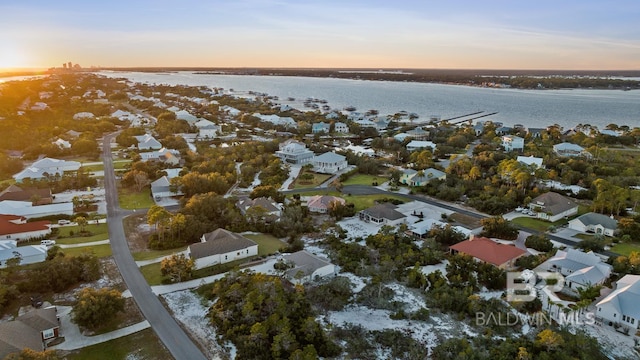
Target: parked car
[(64, 222), (48, 242)]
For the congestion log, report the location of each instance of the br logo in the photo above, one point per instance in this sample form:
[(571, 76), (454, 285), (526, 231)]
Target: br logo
[(521, 285)]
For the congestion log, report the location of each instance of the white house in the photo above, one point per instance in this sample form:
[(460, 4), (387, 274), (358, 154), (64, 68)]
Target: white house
[(360, 150), (161, 190), (512, 143), (49, 166), (207, 129), (62, 144), (420, 178), (595, 223), (570, 150), (307, 267), (620, 308), (294, 152), (341, 127), (320, 128), (148, 142), (552, 206), (219, 247), (530, 161), (29, 254), (322, 203), (414, 145), (186, 116), (169, 156), (580, 269), (329, 163)]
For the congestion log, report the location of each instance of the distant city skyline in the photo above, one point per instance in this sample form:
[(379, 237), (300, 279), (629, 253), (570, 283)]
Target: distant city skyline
[(559, 35)]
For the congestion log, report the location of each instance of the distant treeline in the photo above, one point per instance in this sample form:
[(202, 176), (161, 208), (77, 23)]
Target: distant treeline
[(520, 79)]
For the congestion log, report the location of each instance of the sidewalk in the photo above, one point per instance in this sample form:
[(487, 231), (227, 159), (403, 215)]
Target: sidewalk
[(93, 243), (73, 338), (294, 170), (157, 260)]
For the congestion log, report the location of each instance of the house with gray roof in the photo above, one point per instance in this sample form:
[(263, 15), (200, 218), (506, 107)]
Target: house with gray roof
[(322, 203), (306, 267), (570, 150), (148, 142), (415, 145), (382, 214), (594, 223), (294, 152), (320, 128), (620, 308), (329, 163), (580, 269), (221, 246), (47, 166), (260, 208), (33, 330), (552, 206), (422, 177)]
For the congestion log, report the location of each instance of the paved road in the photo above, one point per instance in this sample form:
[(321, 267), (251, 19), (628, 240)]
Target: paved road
[(164, 325)]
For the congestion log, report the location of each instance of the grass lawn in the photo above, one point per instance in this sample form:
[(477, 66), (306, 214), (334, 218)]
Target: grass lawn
[(625, 249), (362, 202), (267, 244), (154, 254), (120, 164), (98, 250), (94, 168), (130, 199), (361, 179), (98, 232), (152, 274), (317, 180), (537, 224), (143, 345)]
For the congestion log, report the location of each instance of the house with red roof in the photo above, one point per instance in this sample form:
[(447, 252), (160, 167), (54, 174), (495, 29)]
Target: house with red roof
[(14, 227), (489, 251)]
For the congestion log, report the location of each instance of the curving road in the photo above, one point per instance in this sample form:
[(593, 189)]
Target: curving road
[(164, 325)]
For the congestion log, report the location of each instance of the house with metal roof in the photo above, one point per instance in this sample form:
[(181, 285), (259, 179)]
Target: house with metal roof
[(570, 150), (620, 308), (415, 145), (322, 203), (552, 206), (594, 223), (580, 269), (329, 163), (307, 267), (148, 142), (260, 208), (221, 246), (512, 143), (46, 166), (29, 254), (320, 128), (294, 152)]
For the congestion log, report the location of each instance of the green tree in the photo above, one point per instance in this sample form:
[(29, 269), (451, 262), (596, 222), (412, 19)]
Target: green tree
[(97, 306), (498, 227), (82, 223), (177, 267), (28, 354), (549, 340)]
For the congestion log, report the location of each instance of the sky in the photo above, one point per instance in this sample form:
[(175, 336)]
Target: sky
[(445, 34)]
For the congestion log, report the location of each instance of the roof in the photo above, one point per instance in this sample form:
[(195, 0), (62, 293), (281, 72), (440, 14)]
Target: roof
[(565, 146), (25, 252), (329, 157), (573, 259), (8, 225), (17, 194), (306, 262), (25, 331), (162, 182), (592, 218), (263, 202), (323, 201), (421, 144), (488, 250), (219, 241), (384, 211), (530, 160), (626, 297), (554, 203), (590, 275)]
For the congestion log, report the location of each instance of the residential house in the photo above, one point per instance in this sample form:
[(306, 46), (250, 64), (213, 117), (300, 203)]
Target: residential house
[(83, 116), (294, 152), (46, 166), (29, 254), (595, 223), (382, 214), (28, 210), (286, 121), (307, 267), (168, 156), (16, 227), (620, 308), (552, 206), (580, 269), (421, 229), (341, 127), (36, 196), (148, 142), (186, 116), (400, 137), (570, 150), (406, 176), (123, 115), (320, 128), (414, 145), (62, 144), (207, 129), (73, 134), (230, 110), (512, 143), (486, 250), (535, 132), (322, 203), (360, 150), (478, 128), (418, 134), (422, 177), (33, 330), (221, 246), (503, 130), (329, 163), (262, 207), (530, 161), (161, 190)]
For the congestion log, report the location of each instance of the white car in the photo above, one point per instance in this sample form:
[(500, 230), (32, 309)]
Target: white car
[(519, 209), (48, 242)]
